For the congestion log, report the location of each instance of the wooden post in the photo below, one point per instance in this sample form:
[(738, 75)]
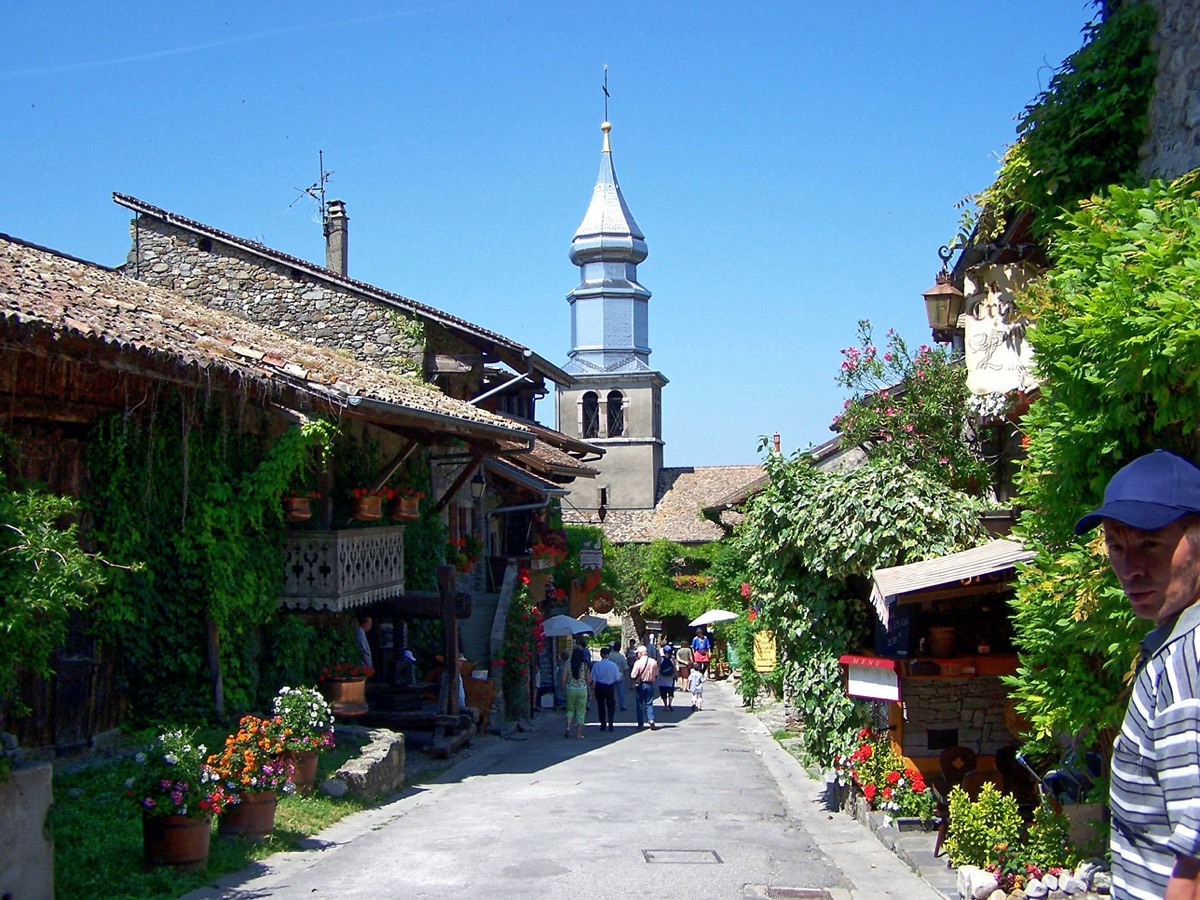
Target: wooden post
[(448, 693)]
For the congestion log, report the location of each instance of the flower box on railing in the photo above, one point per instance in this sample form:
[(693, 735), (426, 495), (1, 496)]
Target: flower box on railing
[(339, 570)]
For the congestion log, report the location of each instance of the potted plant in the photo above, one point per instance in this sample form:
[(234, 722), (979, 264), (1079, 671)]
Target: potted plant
[(405, 505), (344, 685), (463, 552), (368, 505), (307, 730), (546, 556), (178, 793), (253, 771), (297, 505)]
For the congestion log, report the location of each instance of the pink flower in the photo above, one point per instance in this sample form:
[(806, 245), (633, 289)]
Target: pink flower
[(944, 461)]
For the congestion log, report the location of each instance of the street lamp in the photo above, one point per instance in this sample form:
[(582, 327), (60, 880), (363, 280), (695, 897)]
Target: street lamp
[(478, 485), (944, 302)]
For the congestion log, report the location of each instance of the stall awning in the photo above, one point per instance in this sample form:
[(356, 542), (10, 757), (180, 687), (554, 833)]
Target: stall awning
[(894, 585)]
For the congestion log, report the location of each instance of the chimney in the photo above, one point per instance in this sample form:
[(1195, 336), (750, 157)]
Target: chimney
[(337, 224), (775, 442)]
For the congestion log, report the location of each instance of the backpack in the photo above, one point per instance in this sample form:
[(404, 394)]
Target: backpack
[(667, 667)]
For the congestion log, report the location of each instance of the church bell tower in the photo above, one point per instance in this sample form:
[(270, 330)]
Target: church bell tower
[(616, 402)]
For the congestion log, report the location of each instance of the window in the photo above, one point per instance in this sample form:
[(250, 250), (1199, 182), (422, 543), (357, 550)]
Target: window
[(616, 414), (591, 415)]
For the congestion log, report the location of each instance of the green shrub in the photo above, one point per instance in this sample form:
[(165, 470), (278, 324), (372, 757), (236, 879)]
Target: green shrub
[(982, 829)]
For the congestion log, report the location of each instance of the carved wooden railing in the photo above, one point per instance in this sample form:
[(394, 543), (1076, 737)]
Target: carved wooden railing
[(338, 570)]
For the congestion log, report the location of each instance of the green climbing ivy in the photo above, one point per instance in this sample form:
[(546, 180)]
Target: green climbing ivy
[(1083, 132), (811, 540), (191, 493)]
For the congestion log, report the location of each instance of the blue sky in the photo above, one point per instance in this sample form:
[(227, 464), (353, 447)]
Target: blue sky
[(794, 166)]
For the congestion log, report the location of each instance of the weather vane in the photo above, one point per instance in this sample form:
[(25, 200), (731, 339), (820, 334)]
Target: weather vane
[(604, 88)]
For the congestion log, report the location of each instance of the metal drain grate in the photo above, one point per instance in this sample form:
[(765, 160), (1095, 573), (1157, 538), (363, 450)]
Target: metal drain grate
[(686, 857), (785, 893)]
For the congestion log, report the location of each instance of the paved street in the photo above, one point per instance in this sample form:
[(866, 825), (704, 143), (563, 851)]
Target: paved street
[(707, 806)]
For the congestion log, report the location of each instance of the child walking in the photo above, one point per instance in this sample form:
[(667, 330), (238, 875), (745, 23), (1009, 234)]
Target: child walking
[(696, 686)]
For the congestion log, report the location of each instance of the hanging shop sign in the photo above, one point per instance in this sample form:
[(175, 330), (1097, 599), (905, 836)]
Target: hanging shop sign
[(871, 677)]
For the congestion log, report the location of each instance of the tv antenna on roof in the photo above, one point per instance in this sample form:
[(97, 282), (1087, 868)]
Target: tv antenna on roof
[(317, 189)]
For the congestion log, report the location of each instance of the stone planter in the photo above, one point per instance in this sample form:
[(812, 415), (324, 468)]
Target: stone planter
[(180, 842)]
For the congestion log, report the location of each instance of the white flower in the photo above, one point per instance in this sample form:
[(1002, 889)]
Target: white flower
[(140, 758), (170, 759)]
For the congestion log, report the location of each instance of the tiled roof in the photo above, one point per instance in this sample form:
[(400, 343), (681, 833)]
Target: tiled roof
[(682, 493), (510, 350), (47, 293)]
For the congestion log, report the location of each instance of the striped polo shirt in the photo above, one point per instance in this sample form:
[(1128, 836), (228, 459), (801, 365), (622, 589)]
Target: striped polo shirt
[(1155, 788)]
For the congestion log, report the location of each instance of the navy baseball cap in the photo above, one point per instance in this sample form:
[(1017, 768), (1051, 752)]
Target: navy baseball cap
[(1149, 493)]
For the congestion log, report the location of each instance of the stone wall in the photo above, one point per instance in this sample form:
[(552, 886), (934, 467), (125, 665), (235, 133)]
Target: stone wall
[(225, 277), (973, 706), (1172, 145)]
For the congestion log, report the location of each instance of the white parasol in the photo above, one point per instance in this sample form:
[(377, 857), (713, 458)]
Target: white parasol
[(564, 626), (711, 617), (595, 624)]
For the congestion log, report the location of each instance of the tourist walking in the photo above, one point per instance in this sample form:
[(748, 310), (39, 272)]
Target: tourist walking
[(618, 660), (576, 679), (605, 678), (701, 649), (696, 686), (645, 676), (666, 677)]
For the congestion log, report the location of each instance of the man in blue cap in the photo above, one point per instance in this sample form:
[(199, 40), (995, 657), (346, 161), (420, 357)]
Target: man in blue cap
[(1151, 519)]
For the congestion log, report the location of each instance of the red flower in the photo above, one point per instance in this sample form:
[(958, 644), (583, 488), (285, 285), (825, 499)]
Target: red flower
[(893, 777), (887, 793), (746, 590), (869, 792), (751, 615)]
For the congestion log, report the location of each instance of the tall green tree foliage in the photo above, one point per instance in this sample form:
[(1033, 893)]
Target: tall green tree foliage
[(1117, 344), (811, 540), (44, 576)]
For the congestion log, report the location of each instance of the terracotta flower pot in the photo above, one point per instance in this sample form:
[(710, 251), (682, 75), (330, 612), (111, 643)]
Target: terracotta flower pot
[(369, 507), (304, 770), (405, 509), (347, 696), (252, 817), (297, 509), (177, 841)]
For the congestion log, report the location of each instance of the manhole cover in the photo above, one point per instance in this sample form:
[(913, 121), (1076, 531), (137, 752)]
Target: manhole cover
[(687, 857)]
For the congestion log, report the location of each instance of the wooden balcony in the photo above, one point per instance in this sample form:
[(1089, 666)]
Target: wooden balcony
[(339, 570)]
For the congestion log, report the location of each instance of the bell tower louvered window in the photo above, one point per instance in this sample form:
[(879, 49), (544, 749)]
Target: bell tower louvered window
[(616, 414), (591, 415)]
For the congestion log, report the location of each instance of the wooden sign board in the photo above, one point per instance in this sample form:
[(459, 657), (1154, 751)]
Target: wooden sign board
[(765, 658)]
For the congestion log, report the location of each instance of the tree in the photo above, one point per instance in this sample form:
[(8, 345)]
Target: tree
[(910, 408)]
